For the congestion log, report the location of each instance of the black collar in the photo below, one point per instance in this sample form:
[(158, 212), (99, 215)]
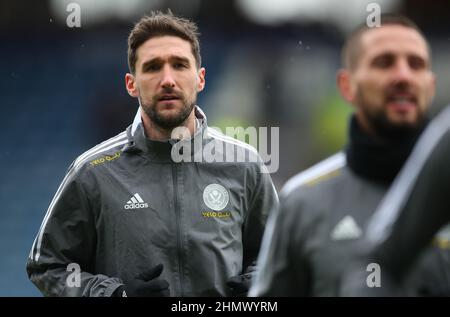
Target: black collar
[(378, 160)]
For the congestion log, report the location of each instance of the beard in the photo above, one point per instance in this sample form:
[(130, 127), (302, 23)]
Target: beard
[(384, 127), (162, 121)]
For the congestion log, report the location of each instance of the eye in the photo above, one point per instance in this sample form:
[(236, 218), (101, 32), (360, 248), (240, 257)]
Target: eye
[(383, 61), (152, 67), (417, 63), (179, 66)]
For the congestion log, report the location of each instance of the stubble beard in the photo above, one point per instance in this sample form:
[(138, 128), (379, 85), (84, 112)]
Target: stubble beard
[(168, 123), (378, 118)]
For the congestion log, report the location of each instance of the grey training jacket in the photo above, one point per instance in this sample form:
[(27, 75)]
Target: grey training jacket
[(323, 217), (126, 206)]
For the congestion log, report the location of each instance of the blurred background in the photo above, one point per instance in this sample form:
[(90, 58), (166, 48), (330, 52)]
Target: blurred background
[(268, 63)]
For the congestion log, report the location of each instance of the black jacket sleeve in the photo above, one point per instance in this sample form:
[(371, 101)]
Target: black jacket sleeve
[(423, 212), (61, 261), (263, 200), (282, 268)]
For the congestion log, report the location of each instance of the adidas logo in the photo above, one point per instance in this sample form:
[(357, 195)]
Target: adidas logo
[(346, 229), (136, 202)]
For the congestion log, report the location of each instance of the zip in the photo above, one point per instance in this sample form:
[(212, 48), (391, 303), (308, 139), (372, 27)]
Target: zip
[(178, 217)]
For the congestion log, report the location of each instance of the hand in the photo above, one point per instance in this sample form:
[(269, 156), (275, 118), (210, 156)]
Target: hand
[(146, 284), (240, 284)]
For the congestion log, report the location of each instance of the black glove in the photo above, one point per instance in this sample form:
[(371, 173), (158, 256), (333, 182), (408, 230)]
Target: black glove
[(240, 284), (147, 284)]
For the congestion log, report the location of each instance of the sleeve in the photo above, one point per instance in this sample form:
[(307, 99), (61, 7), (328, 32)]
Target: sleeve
[(418, 213), (61, 261), (263, 201), (282, 268)]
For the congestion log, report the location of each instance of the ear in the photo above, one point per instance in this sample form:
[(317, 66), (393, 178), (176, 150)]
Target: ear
[(201, 79), (130, 84), (345, 86)]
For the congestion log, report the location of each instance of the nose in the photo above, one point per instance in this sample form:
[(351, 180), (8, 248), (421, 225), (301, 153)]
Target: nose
[(402, 72), (167, 79)]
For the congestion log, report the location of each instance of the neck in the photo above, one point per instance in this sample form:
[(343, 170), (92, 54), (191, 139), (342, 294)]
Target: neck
[(374, 159), (158, 133), (365, 126)]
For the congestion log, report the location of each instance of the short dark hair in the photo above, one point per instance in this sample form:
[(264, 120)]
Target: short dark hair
[(160, 24), (352, 47)]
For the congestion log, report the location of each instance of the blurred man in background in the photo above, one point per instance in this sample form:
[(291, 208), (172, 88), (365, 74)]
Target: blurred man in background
[(324, 211), (131, 220), (414, 209)]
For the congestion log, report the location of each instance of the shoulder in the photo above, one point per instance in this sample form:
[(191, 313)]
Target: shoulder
[(233, 143), (303, 199), (435, 138), (305, 196), (240, 154), (316, 175), (105, 151)]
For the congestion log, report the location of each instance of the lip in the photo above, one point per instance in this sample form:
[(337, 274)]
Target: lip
[(401, 106), (168, 97), (401, 102), (168, 104)]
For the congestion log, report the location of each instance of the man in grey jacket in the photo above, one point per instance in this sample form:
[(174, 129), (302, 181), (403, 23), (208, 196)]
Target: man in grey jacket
[(324, 210), (414, 209), (148, 212)]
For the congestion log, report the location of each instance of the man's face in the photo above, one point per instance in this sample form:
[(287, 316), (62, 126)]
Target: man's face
[(392, 84), (167, 80)]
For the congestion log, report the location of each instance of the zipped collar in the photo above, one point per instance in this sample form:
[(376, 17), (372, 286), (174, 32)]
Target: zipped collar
[(161, 150)]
